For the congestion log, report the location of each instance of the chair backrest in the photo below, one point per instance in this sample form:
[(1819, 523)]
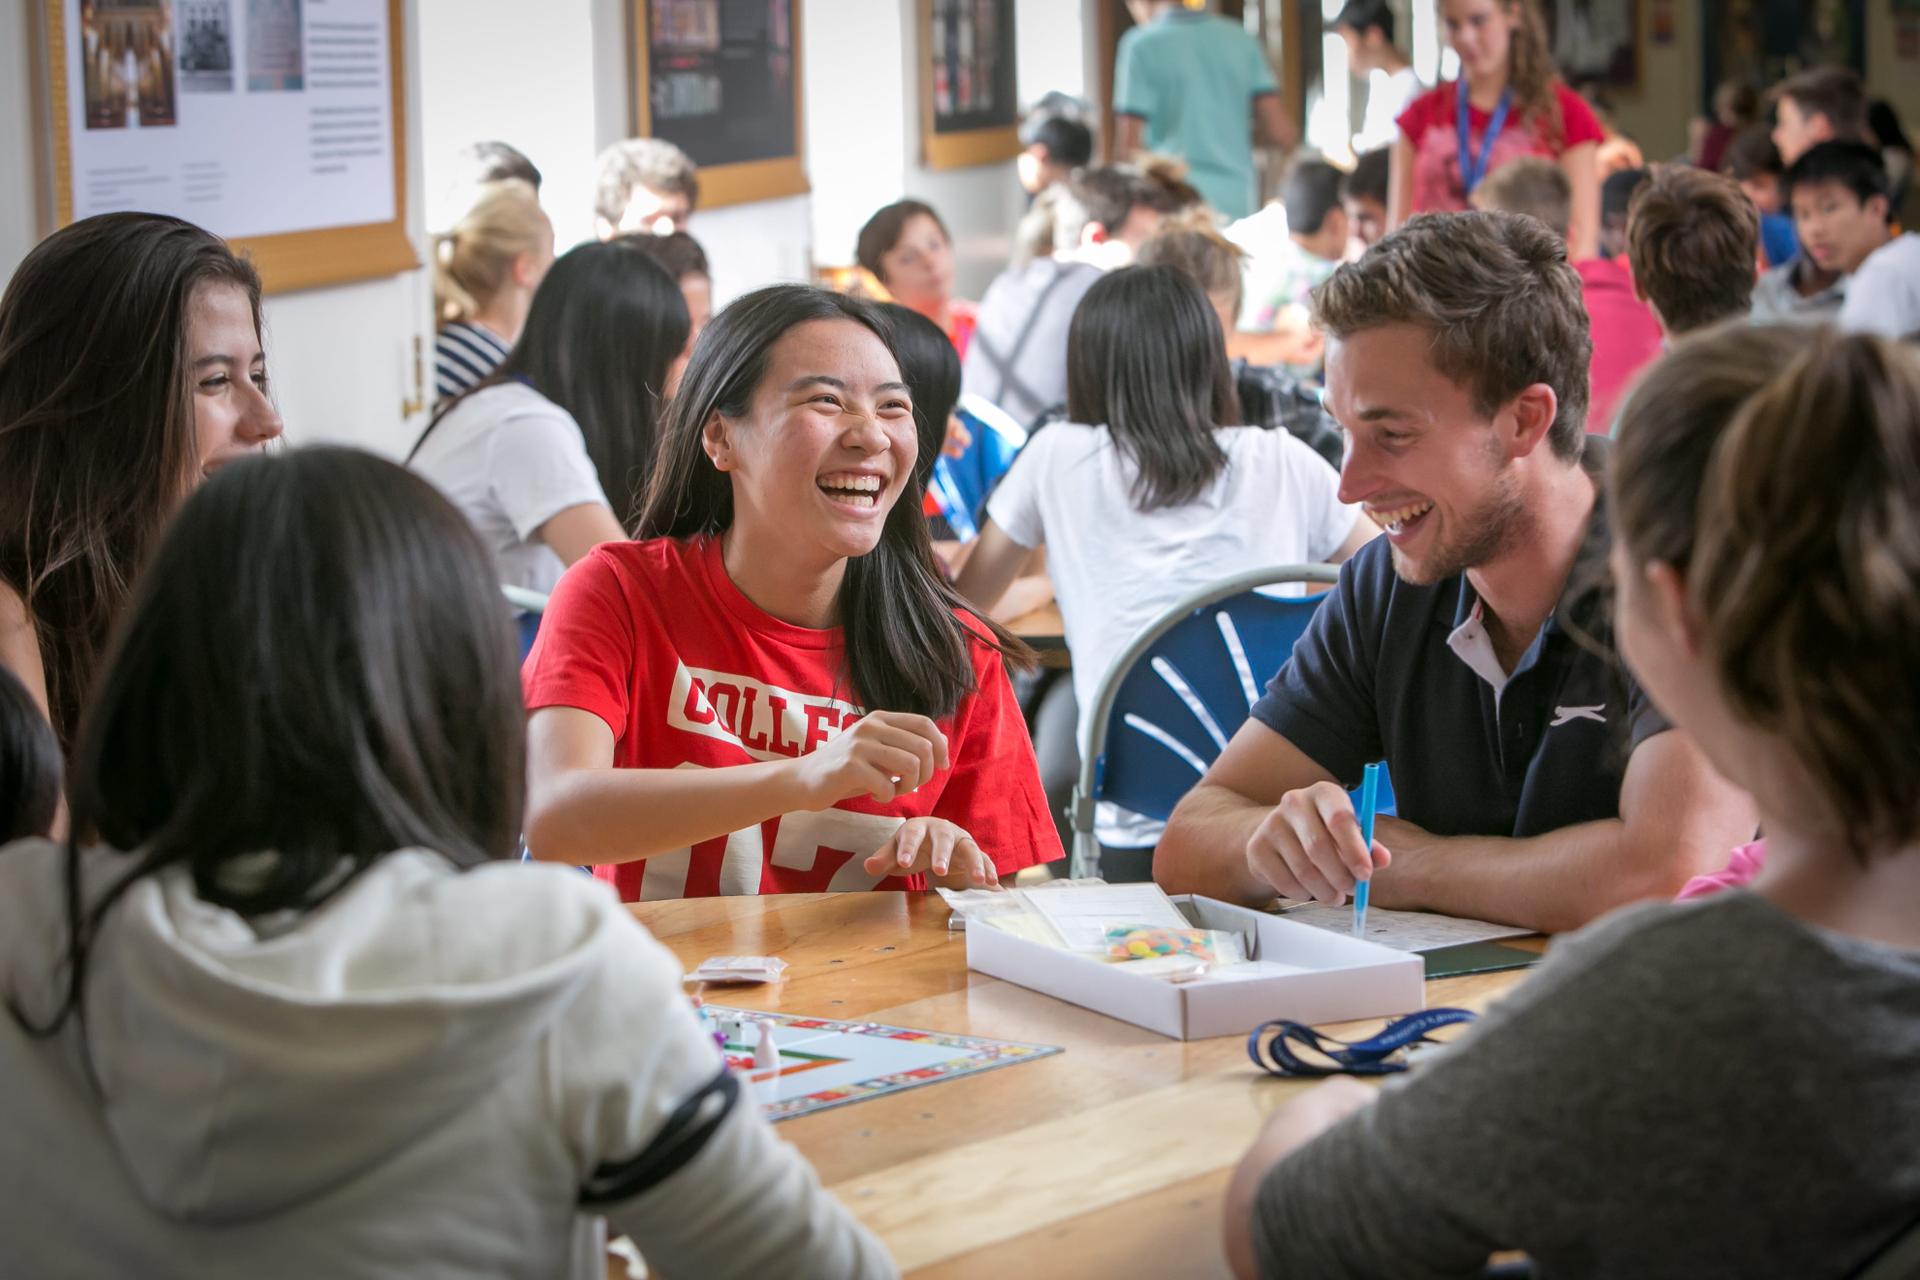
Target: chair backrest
[(528, 606), (524, 600), (1181, 689)]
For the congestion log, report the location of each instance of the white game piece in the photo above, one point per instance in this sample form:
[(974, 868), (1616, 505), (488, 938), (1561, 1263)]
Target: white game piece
[(766, 1054)]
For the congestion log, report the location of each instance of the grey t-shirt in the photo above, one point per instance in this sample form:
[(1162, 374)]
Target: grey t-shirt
[(1017, 357), (1704, 1089), (1776, 297)]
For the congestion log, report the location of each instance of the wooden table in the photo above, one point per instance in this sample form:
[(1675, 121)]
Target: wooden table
[(1046, 632), (1108, 1159)]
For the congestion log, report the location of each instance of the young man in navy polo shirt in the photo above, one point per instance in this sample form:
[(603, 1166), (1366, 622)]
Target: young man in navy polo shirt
[(1470, 645)]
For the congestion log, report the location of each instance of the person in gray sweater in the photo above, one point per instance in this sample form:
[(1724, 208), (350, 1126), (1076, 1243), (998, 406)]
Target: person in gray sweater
[(1728, 1086), (300, 1012)]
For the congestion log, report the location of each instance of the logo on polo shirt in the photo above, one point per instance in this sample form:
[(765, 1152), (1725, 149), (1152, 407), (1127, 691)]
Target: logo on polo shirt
[(1567, 715)]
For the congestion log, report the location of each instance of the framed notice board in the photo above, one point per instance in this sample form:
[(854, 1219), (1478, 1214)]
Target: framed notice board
[(720, 79), (969, 114), (276, 124)]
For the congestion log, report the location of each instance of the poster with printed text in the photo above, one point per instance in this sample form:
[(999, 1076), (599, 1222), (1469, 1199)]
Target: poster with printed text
[(253, 118)]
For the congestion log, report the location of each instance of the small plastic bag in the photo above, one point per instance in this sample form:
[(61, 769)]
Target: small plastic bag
[(1211, 947), (738, 969)]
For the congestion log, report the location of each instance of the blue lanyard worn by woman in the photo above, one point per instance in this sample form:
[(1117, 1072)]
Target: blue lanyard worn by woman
[(1474, 167)]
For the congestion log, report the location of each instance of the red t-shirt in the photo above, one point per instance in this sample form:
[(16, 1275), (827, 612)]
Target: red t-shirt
[(1429, 124), (1626, 336), (654, 638), (966, 318)]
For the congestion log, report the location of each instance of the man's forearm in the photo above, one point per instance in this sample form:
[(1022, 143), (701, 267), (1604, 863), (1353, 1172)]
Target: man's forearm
[(1204, 848), (1552, 882)]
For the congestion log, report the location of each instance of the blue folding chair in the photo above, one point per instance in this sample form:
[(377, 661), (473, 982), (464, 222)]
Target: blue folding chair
[(1163, 714), (959, 486)]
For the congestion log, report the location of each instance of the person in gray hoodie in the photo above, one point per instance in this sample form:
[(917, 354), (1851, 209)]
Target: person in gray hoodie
[(286, 1007)]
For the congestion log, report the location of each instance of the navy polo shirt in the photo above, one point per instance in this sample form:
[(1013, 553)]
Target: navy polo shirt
[(1375, 677)]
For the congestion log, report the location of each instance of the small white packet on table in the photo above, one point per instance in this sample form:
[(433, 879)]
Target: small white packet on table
[(738, 969)]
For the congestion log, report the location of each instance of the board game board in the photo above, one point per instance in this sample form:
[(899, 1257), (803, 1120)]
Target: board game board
[(828, 1063)]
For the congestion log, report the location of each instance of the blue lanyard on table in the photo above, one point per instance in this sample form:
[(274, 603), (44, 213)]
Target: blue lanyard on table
[(1370, 1057), (1474, 167)]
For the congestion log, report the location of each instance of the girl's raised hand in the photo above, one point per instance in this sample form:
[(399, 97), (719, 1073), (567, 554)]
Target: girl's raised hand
[(937, 847), (885, 755)]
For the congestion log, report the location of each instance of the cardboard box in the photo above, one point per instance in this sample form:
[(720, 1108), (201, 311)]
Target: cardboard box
[(1348, 978)]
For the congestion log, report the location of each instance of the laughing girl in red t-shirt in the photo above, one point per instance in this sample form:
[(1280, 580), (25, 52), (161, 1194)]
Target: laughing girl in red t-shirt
[(1508, 102), (773, 691)]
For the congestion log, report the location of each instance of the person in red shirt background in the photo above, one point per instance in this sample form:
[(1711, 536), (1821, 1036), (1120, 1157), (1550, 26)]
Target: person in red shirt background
[(1508, 102), (905, 247), (1626, 333), (772, 690)]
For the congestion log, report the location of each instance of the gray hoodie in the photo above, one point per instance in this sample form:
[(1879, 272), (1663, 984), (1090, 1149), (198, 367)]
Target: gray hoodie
[(416, 1079)]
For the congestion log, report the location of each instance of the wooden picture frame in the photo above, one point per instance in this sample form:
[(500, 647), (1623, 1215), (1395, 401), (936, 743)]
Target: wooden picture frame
[(725, 182), (293, 260), (943, 146)]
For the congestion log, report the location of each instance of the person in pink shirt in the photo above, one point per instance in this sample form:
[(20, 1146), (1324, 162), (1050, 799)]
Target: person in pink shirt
[(1626, 333), (1508, 102)]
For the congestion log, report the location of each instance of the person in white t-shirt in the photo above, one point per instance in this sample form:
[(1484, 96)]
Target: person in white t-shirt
[(1883, 295), (1367, 28), (549, 455), (1161, 497)]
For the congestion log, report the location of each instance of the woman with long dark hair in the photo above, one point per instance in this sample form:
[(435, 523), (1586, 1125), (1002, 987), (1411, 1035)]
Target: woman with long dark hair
[(773, 690), (302, 1002), (549, 455), (1151, 491), (131, 367)]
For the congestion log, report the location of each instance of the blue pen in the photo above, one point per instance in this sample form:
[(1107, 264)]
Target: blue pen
[(1369, 799)]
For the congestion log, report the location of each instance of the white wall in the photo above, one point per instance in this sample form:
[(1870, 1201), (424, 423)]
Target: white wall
[(19, 217), (521, 74), (1054, 48)]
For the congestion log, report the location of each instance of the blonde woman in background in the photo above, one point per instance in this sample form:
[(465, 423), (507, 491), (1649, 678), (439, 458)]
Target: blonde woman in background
[(484, 273)]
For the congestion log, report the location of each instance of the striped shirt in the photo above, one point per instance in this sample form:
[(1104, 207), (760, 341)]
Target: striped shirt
[(462, 355)]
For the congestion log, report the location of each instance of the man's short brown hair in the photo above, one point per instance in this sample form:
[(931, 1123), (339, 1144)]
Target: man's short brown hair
[(652, 163), (1498, 295), (1693, 239), (1532, 185), (1833, 92)]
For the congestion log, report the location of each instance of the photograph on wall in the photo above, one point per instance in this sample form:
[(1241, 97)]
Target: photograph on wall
[(720, 78), (203, 31), (971, 42), (276, 59), (1595, 41), (126, 64)]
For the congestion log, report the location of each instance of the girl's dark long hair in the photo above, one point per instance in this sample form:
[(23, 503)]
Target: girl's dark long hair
[(1145, 359), (605, 325), (317, 669), (931, 369), (906, 648), (97, 443)]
